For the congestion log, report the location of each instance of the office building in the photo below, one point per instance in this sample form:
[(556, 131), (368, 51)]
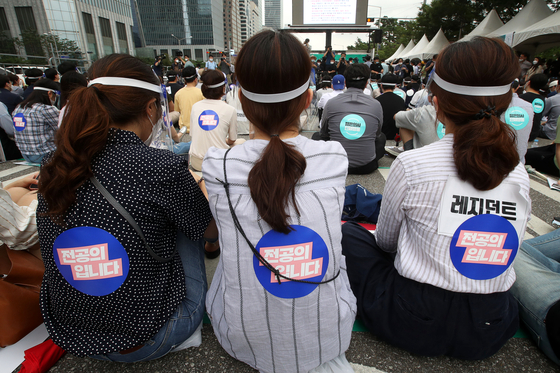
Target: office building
[(99, 27), (251, 21), (232, 24), (194, 27), (273, 14)]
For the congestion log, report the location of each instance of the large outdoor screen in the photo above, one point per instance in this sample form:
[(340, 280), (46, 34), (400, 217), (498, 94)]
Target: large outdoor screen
[(329, 12)]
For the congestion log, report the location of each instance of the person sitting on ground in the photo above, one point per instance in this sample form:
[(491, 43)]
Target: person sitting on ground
[(354, 119), (418, 127), (52, 74), (338, 85), (391, 104), (434, 278), (534, 90), (519, 116), (9, 149), (32, 76), (7, 97), (68, 83), (16, 81), (552, 112), (186, 97), (113, 214), (36, 121), (214, 122), (173, 86), (65, 67), (18, 226), (285, 193), (537, 289)]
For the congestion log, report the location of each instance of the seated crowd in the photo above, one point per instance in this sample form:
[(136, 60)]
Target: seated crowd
[(123, 225)]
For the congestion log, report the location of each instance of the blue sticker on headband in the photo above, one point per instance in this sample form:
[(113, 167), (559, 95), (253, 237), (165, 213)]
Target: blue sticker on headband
[(440, 130), (208, 120), (484, 247), (538, 106), (352, 126), (517, 117), (92, 260), (301, 254), (20, 122), (399, 93)]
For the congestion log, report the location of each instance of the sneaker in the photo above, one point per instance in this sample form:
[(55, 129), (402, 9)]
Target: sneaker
[(556, 222)]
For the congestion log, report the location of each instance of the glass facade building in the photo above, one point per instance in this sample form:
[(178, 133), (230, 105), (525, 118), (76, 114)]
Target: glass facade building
[(98, 27), (273, 14), (179, 23)]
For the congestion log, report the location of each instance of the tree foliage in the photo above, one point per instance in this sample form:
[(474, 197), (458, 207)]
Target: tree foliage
[(50, 45), (456, 18)]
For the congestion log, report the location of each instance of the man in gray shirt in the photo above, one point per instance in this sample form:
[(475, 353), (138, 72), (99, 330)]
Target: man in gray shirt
[(552, 111), (354, 119)]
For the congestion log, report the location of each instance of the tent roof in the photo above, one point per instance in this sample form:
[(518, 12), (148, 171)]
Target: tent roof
[(436, 45), (407, 49), (417, 50), (491, 23), (397, 52), (533, 12), (540, 36)]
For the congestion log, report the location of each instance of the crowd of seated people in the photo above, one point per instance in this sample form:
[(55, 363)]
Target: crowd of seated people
[(437, 277)]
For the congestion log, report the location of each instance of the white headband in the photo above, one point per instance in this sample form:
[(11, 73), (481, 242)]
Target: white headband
[(126, 82), (190, 77), (217, 85), (270, 98), (392, 84), (44, 89), (470, 90)]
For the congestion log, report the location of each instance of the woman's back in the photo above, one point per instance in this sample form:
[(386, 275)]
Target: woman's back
[(254, 318)]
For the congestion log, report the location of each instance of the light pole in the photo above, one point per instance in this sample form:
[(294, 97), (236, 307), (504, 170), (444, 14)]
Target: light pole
[(55, 46), (179, 40)]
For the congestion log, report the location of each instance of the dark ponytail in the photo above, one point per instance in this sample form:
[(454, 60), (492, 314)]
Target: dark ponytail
[(484, 147), (85, 127), (284, 67)]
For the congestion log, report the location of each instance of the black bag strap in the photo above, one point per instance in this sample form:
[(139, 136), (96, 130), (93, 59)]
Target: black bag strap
[(130, 220), (264, 262)]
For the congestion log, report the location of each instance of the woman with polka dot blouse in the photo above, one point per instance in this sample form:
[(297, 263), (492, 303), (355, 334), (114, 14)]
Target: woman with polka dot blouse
[(107, 293)]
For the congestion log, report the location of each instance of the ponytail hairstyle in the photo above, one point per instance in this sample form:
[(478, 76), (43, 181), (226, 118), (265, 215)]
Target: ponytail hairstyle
[(90, 114), (274, 62), (38, 96), (484, 147)]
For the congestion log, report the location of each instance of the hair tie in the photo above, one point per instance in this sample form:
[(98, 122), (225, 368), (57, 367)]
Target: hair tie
[(95, 89), (486, 113), (275, 135)]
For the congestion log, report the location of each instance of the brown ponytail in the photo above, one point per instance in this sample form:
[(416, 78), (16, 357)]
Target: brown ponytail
[(85, 127), (274, 62), (484, 147)]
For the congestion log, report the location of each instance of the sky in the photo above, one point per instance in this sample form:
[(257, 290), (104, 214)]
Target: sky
[(394, 8)]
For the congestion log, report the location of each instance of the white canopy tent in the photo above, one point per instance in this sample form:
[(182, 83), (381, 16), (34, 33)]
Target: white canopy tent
[(436, 45), (417, 50), (491, 23), (394, 55), (533, 12), (540, 36), (407, 49)]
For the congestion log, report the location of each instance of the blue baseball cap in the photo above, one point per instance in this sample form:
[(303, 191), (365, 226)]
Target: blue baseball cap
[(338, 82)]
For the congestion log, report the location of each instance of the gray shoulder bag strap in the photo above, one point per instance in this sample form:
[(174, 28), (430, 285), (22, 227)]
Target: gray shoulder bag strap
[(130, 220)]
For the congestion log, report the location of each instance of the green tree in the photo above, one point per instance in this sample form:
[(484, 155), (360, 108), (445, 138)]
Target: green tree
[(47, 45), (359, 45)]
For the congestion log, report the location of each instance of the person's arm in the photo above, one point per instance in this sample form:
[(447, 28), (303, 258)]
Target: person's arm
[(391, 215), (232, 135), (51, 114), (6, 121), (325, 125)]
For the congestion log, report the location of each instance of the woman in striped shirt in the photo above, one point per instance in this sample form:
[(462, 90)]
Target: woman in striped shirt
[(434, 279)]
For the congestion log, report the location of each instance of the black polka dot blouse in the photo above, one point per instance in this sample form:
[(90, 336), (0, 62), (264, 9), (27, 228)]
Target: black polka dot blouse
[(156, 188)]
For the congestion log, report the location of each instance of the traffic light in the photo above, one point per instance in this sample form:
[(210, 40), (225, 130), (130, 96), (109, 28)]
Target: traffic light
[(370, 20)]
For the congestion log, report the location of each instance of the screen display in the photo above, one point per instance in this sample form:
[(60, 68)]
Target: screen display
[(329, 12)]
